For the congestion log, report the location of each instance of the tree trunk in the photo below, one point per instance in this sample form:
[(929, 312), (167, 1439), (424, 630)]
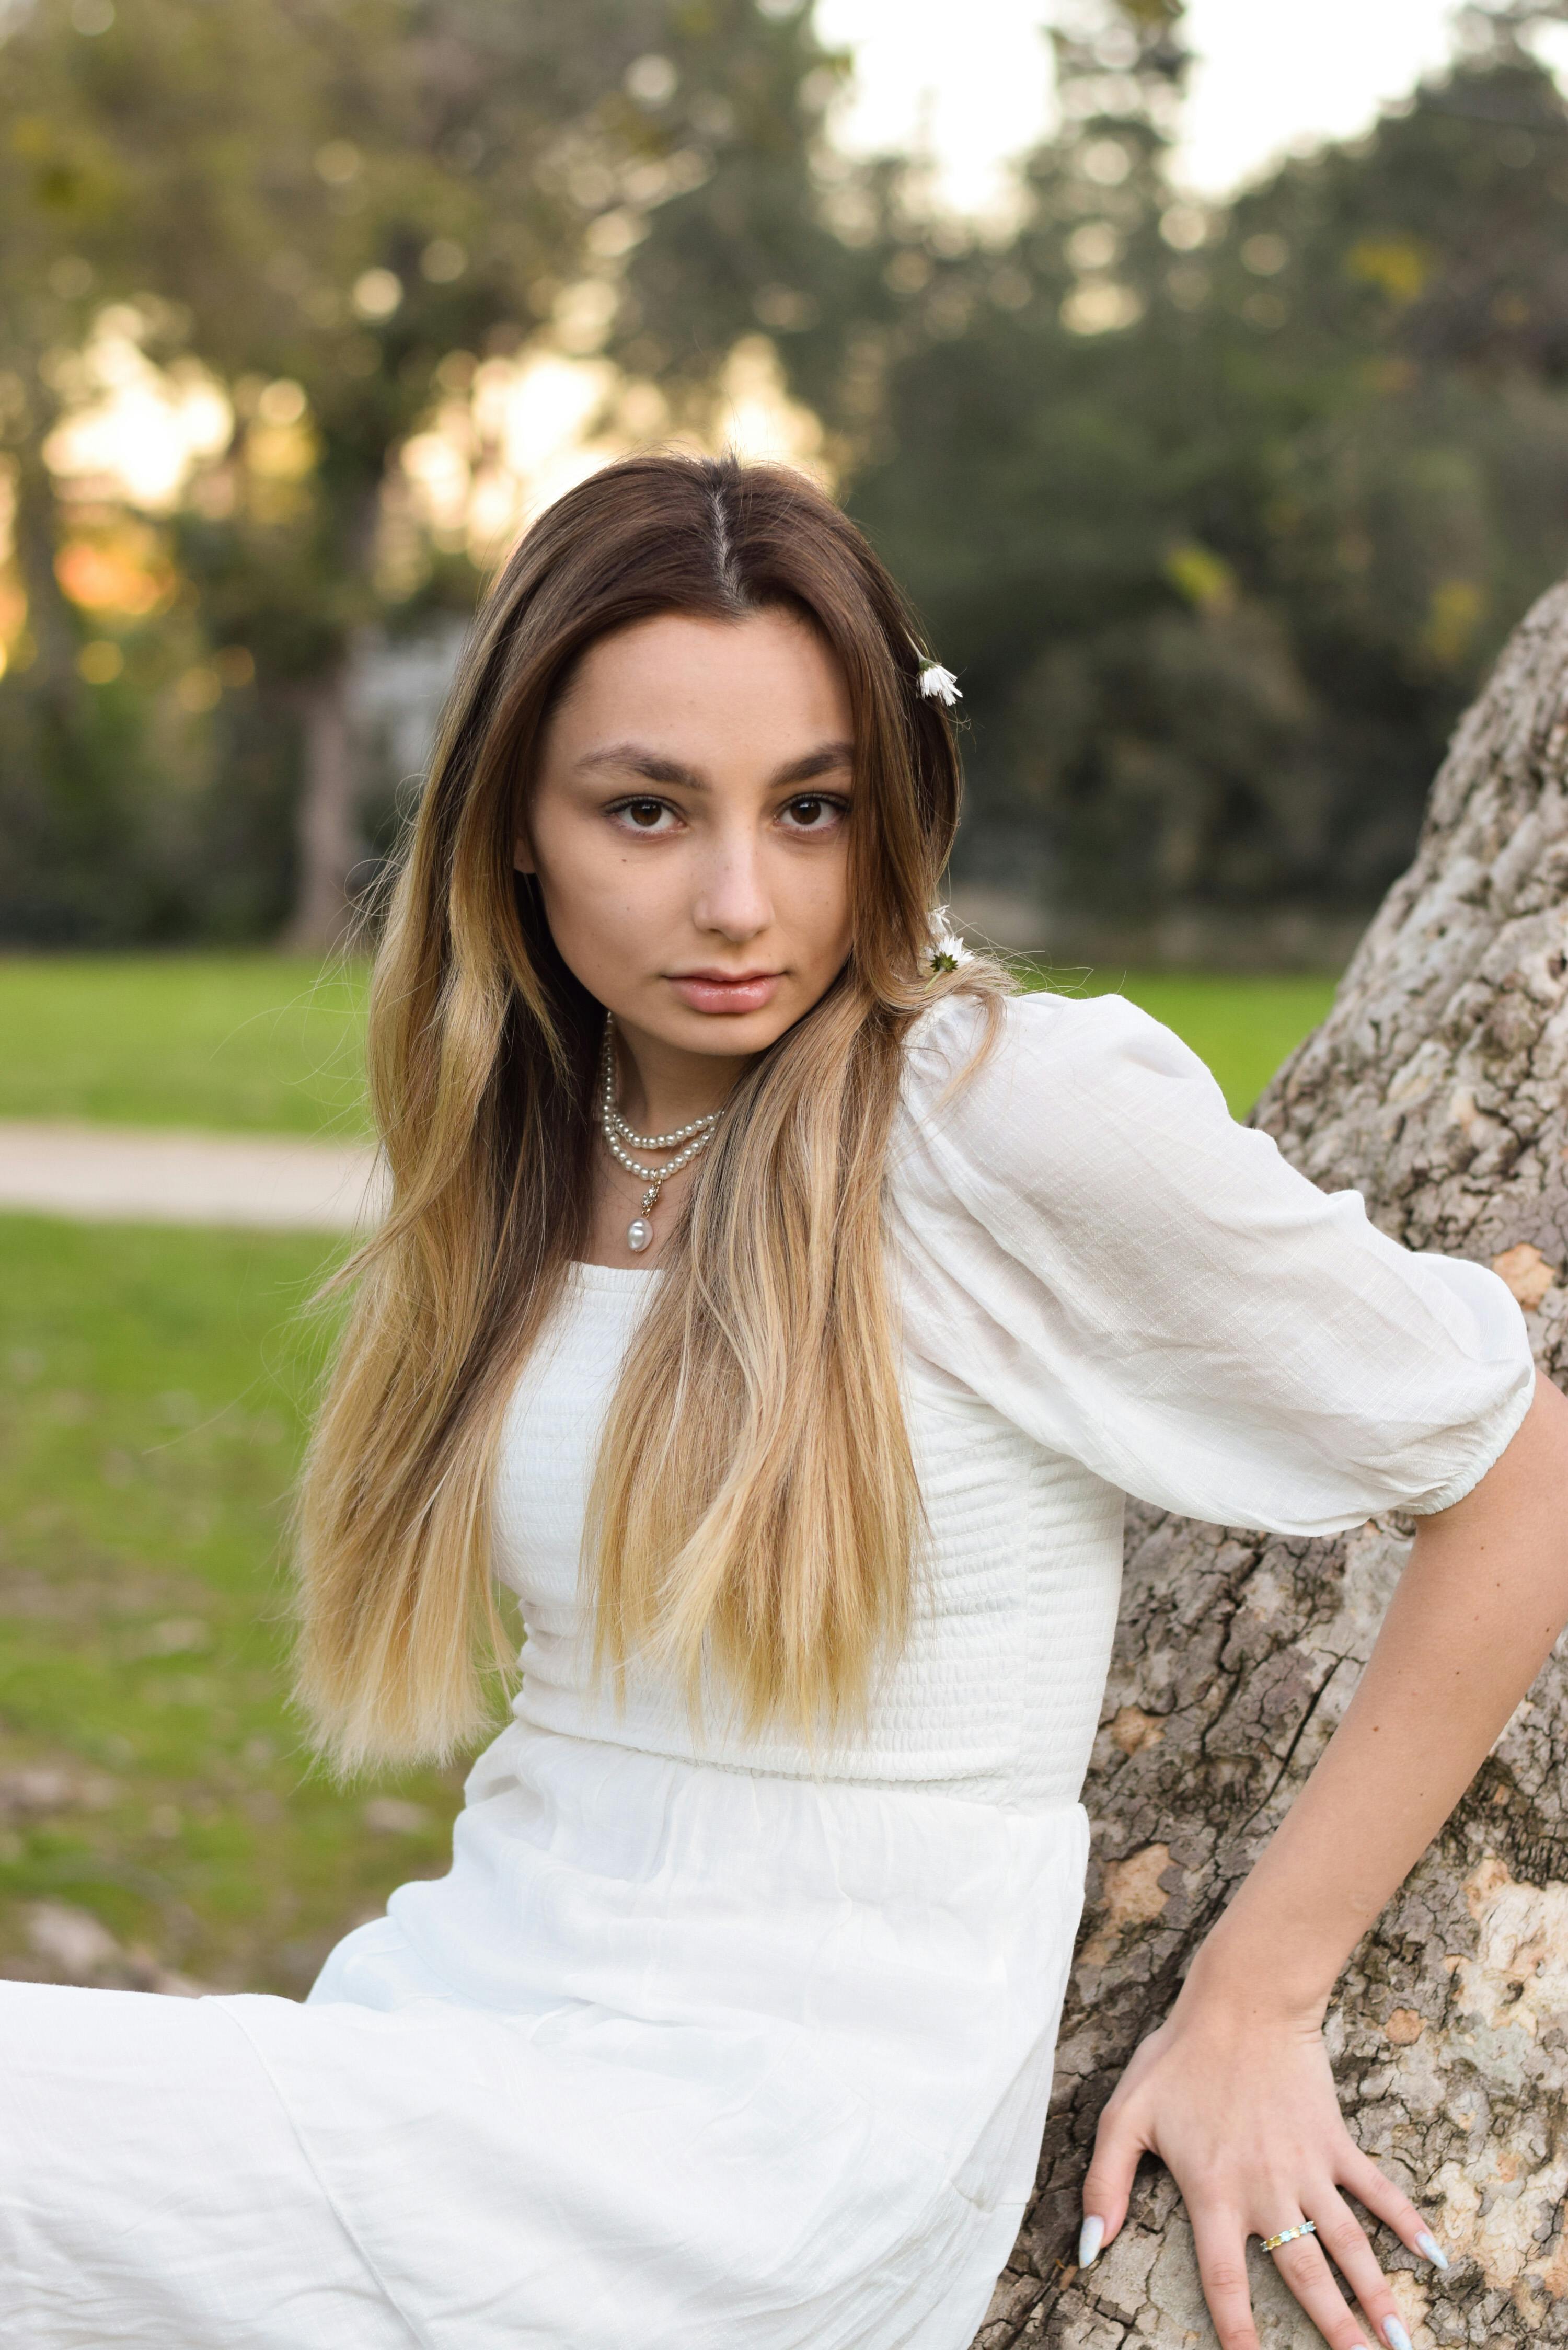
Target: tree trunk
[(35, 535), (1436, 1087), (326, 832)]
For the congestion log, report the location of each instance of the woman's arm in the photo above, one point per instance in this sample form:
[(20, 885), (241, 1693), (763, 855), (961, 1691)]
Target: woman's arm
[(1233, 2092)]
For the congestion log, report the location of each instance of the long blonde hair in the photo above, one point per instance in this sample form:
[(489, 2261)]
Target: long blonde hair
[(755, 1509)]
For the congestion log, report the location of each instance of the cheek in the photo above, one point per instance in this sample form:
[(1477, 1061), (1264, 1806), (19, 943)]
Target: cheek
[(819, 900), (606, 908)]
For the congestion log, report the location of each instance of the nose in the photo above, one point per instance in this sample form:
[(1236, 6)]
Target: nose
[(733, 895)]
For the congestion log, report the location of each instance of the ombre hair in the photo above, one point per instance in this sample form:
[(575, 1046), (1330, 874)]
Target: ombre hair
[(755, 1513)]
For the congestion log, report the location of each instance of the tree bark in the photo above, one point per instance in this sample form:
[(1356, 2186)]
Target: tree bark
[(1437, 1087), (327, 830)]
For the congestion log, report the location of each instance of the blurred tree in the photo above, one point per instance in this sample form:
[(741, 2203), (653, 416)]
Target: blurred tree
[(1406, 296), (1035, 450), (1219, 511), (60, 801), (1223, 512), (340, 205)]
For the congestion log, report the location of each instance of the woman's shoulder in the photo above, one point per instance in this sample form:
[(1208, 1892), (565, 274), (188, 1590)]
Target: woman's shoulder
[(1019, 1057)]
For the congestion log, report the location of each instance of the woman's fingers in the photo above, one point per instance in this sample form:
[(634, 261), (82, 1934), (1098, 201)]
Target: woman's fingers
[(1309, 2277), (1221, 2240), (1221, 2245), (1344, 2240), (1118, 2143), (1393, 2206)]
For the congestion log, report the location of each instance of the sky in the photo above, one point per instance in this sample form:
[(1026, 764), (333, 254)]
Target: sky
[(1269, 74)]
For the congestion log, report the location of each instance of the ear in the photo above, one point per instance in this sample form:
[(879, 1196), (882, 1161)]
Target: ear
[(522, 856)]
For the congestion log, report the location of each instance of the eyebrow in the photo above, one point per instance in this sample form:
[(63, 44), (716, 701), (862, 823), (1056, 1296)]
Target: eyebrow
[(661, 770)]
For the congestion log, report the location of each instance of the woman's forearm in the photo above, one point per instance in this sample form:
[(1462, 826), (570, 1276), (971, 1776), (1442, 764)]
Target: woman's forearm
[(1480, 1603)]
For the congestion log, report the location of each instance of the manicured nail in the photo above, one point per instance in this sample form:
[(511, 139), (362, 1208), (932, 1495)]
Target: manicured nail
[(1092, 2235), (1430, 2250), (1394, 2333)]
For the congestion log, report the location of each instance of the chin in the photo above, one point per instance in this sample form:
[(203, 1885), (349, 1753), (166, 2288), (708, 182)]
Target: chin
[(734, 1032), (728, 1033)]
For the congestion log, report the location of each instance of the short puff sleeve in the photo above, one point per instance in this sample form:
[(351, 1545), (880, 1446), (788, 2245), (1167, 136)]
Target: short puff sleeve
[(1088, 1240)]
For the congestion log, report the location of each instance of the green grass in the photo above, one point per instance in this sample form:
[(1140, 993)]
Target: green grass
[(261, 1042), (257, 1043), (152, 1391)]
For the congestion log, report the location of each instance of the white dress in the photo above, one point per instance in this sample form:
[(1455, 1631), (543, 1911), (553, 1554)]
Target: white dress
[(716, 2047)]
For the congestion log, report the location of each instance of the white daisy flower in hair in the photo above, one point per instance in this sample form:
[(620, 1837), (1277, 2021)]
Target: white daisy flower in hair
[(940, 682), (946, 951)]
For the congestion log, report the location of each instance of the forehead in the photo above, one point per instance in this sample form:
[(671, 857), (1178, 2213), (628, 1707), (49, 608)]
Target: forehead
[(683, 673)]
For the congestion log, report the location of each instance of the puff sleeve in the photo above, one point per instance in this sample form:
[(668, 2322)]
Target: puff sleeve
[(1089, 1241)]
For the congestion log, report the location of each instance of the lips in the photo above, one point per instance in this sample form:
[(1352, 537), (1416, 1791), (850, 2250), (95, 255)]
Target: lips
[(718, 991)]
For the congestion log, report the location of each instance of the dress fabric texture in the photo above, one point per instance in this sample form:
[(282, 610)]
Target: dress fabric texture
[(710, 2040)]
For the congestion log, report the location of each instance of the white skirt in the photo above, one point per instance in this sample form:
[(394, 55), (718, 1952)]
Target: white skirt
[(679, 2054)]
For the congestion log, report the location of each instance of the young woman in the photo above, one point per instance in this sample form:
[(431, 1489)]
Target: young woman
[(782, 1309)]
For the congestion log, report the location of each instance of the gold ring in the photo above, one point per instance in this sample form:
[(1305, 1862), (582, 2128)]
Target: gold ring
[(1289, 2235)]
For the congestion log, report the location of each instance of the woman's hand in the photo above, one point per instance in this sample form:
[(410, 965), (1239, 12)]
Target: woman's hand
[(1241, 2108)]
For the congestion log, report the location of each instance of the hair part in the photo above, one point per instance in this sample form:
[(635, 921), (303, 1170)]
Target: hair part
[(754, 1511)]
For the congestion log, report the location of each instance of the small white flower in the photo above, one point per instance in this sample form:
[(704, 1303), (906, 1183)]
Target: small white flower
[(939, 682), (946, 951)]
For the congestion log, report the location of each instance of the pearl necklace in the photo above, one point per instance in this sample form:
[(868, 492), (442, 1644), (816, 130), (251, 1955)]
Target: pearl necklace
[(617, 1132)]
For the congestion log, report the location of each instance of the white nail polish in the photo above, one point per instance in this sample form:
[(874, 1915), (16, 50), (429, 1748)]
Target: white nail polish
[(1092, 2235), (1430, 2250), (1394, 2333)]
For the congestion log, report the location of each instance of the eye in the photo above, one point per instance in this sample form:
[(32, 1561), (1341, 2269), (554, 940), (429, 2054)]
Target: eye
[(642, 815), (815, 812)]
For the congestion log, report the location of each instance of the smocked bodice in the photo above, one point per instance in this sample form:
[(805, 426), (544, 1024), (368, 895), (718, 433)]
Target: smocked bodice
[(997, 1689)]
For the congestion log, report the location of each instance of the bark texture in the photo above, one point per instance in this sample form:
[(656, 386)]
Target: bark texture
[(1439, 1087)]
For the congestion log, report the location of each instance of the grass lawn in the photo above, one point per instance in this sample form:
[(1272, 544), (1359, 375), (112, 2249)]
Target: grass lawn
[(265, 1042), (255, 1041), (152, 1391)]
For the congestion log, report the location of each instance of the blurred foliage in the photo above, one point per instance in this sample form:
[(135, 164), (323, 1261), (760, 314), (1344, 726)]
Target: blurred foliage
[(336, 207), (1219, 511), (1222, 512)]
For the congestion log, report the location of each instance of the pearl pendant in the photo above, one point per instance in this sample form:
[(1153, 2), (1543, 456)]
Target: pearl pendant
[(639, 1233)]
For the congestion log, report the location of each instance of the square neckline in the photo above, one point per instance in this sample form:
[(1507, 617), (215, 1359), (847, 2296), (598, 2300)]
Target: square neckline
[(611, 1276)]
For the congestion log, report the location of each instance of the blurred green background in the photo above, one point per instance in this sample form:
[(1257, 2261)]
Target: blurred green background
[(1220, 507)]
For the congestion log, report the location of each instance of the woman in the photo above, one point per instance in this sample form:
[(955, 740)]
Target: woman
[(782, 1309)]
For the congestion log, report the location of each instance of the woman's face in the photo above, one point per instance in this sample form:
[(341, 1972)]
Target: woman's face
[(688, 827)]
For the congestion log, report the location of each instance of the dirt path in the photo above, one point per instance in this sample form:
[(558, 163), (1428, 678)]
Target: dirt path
[(123, 1174)]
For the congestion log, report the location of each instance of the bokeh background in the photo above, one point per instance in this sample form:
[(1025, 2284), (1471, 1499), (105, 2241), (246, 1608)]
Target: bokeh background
[(1203, 371)]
